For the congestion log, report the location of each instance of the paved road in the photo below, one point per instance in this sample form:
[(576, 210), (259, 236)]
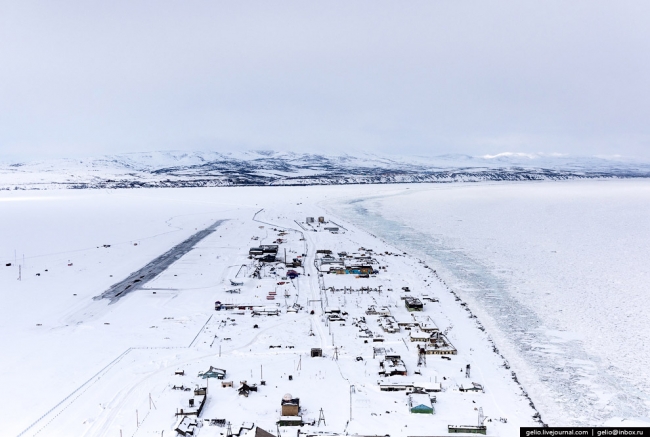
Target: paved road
[(138, 279)]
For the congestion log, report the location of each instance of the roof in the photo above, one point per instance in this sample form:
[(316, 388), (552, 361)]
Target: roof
[(295, 401), (417, 399), (259, 432)]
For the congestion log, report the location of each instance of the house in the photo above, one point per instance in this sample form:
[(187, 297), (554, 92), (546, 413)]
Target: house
[(290, 406), (255, 251), (395, 387), (438, 345), (186, 426), (290, 421), (425, 323), (392, 365), (469, 429), (428, 386), (213, 372), (255, 432), (413, 304), (266, 311), (332, 310), (388, 324), (245, 389), (269, 258), (419, 336), (475, 388), (420, 403), (266, 249)]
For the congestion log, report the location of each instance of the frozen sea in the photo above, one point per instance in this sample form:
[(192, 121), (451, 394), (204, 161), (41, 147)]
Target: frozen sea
[(558, 272)]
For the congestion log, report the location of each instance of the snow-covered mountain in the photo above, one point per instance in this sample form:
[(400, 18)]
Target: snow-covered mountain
[(192, 169)]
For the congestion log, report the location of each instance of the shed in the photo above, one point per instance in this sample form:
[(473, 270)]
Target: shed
[(420, 403), (290, 405), (316, 352)]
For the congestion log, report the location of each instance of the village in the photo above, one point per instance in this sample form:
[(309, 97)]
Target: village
[(283, 325), (343, 344)]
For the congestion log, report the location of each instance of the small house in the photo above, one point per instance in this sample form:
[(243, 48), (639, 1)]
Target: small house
[(290, 406), (420, 403), (245, 389), (213, 372), (413, 304), (186, 426)]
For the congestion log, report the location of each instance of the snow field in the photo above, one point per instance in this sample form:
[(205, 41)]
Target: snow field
[(144, 337)]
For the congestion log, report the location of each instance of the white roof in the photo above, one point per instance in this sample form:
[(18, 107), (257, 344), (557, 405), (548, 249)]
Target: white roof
[(420, 399)]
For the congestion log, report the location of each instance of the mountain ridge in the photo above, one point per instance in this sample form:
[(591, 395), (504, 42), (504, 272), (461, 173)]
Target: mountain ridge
[(196, 169)]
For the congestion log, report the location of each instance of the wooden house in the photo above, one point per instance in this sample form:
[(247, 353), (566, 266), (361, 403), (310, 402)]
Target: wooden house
[(290, 406)]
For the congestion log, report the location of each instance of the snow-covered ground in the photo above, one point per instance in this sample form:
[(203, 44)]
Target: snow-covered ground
[(74, 365), (558, 272)]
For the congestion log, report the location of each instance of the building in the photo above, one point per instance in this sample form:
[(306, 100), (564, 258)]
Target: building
[(428, 386), (469, 429), (321, 219), (388, 324), (392, 365), (290, 406), (420, 403), (419, 336), (316, 352), (213, 372), (413, 304), (186, 426), (266, 311), (290, 421), (310, 220), (425, 323), (263, 250)]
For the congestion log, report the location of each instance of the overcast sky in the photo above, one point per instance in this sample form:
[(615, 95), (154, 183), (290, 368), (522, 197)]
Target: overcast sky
[(83, 78)]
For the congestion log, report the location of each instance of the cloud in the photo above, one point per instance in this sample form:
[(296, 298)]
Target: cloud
[(81, 78)]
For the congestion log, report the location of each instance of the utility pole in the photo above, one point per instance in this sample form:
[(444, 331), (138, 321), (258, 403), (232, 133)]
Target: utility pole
[(137, 419), (351, 391)]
